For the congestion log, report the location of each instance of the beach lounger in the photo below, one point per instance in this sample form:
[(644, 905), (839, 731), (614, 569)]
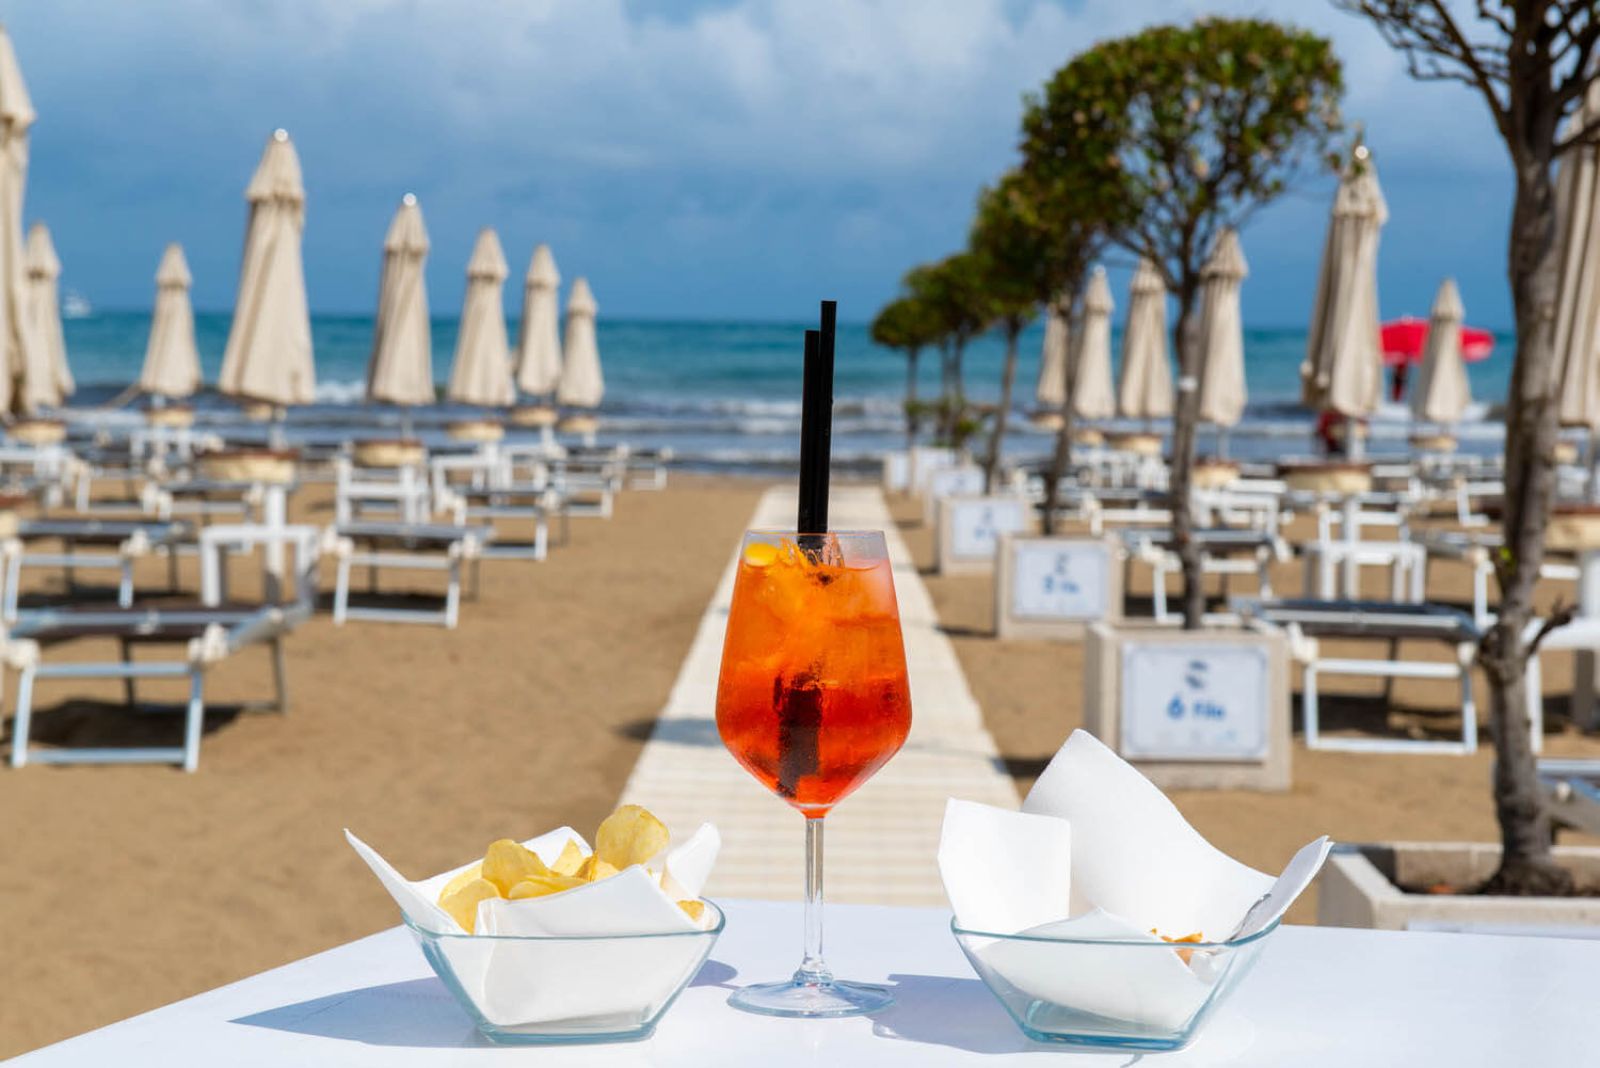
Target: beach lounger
[(408, 547), (111, 545), (1307, 622), (1571, 790), (1222, 552), (200, 635), (400, 492)]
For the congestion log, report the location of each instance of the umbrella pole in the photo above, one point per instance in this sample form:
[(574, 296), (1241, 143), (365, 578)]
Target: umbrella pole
[(1594, 475), (1222, 442)]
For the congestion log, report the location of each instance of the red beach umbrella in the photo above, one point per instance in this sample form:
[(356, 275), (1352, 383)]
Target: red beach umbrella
[(1403, 339)]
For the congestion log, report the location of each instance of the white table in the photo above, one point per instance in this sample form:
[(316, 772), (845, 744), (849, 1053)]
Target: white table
[(1319, 996)]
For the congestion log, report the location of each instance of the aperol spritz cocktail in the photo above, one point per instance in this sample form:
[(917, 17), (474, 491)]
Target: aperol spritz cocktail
[(812, 700)]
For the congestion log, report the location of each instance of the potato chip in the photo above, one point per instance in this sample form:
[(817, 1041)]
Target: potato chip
[(570, 860), (508, 863), (694, 909), (542, 885), (465, 877), (462, 905), (629, 836), (594, 869)]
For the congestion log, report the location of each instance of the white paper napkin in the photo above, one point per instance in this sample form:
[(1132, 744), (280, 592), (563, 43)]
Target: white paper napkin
[(1101, 846)]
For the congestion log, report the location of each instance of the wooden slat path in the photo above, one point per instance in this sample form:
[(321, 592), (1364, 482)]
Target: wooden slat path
[(881, 840)]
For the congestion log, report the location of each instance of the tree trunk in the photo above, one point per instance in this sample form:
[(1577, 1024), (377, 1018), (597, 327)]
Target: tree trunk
[(1008, 377), (1062, 456), (911, 397), (1185, 419), (941, 417), (1526, 865)]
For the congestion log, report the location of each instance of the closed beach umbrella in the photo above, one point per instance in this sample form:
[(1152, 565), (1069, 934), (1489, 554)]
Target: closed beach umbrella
[(582, 385), (1577, 324), (16, 118), (1222, 386), (171, 360), (1441, 393), (481, 373), (1145, 389), (1051, 392), (400, 370), (1343, 369), (268, 355), (1092, 397), (539, 343), (47, 380)]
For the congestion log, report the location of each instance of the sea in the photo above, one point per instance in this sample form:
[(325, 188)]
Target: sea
[(725, 395)]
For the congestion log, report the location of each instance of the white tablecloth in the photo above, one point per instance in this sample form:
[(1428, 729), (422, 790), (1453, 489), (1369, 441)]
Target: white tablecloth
[(1318, 996)]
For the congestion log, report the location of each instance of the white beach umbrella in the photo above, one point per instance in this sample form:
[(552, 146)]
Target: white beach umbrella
[(1222, 385), (481, 372), (1051, 392), (539, 340), (1343, 368), (400, 370), (1145, 388), (582, 385), (1577, 322), (47, 380), (16, 119), (1092, 397), (268, 355), (171, 360), (1441, 392)]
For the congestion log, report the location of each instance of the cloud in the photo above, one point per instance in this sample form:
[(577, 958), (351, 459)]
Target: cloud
[(739, 157)]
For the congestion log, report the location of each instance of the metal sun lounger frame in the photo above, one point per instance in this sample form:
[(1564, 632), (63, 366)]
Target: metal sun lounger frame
[(1571, 790), (408, 547), (209, 634), (1222, 552), (131, 539), (1305, 622)]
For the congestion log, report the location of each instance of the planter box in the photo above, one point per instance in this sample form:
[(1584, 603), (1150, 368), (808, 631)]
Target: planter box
[(1357, 889), (1056, 587), (967, 537), (1193, 710)]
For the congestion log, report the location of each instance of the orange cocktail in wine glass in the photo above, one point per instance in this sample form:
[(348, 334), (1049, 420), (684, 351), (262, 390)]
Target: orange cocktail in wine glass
[(812, 700)]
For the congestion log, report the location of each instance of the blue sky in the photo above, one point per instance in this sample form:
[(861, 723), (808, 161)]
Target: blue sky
[(732, 159)]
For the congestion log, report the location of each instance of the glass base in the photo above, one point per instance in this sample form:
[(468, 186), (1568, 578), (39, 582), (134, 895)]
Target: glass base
[(795, 997)]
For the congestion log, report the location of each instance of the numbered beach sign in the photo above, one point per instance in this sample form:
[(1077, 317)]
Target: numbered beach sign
[(963, 481), (1052, 587), (1194, 701), (970, 528)]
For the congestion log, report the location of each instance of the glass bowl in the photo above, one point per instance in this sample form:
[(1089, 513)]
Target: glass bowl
[(1133, 995), (604, 988)]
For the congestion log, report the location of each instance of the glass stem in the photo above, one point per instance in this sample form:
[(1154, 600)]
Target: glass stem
[(812, 968)]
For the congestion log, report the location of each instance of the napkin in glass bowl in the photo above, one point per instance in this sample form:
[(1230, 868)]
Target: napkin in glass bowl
[(525, 974), (1097, 853)]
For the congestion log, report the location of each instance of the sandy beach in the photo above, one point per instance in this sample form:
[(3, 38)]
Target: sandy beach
[(128, 888)]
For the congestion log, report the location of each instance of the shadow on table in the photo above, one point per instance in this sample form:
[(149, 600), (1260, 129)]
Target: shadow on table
[(679, 730), (417, 1013), (938, 1010)]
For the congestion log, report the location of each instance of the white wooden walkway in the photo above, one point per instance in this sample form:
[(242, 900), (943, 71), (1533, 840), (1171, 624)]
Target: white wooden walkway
[(882, 839)]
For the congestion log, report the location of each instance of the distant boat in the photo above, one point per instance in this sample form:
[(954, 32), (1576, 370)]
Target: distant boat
[(75, 305)]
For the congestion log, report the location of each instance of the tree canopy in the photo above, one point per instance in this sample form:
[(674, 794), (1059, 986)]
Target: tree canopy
[(907, 324), (1178, 131)]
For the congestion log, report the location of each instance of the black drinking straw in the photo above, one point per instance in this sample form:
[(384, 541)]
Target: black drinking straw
[(816, 425)]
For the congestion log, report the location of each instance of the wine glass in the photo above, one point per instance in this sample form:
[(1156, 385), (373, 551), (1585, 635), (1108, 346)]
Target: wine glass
[(812, 699)]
